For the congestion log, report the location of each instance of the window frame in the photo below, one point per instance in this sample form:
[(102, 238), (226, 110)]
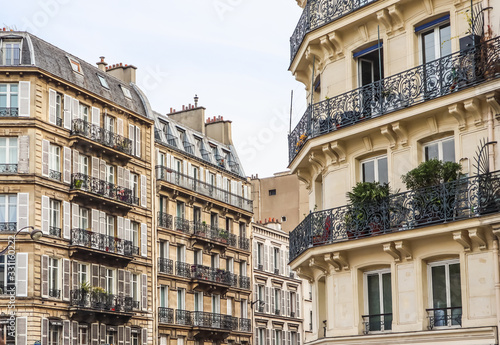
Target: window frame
[(447, 264), (437, 44), (376, 172), (103, 81), (11, 143), (439, 143), (55, 207), (380, 273), (12, 62), (9, 205), (54, 269), (9, 94)]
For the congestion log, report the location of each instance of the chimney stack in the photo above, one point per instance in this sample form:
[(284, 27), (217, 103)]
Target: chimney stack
[(126, 73), (196, 98), (102, 64)]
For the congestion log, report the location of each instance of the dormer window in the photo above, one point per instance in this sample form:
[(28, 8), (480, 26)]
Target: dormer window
[(11, 53), (103, 81), (126, 92), (75, 65)]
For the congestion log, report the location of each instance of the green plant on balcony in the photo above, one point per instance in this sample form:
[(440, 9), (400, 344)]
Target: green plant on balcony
[(223, 235), (85, 287), (78, 183)]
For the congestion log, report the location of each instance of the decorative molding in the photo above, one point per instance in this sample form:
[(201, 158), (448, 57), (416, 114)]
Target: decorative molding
[(429, 8), (401, 132), (389, 135), (317, 163), (473, 107), (330, 156), (339, 148), (477, 237), (313, 50), (368, 143), (383, 17), (327, 47), (300, 272), (390, 248), (363, 32), (462, 237), (337, 42), (396, 16), (494, 102), (208, 206), (314, 264), (458, 112), (333, 264), (432, 124), (305, 177), (341, 259), (404, 248)]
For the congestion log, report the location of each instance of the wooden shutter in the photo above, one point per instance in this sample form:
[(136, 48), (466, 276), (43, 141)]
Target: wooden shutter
[(75, 210), (121, 282), (267, 299), (119, 126), (102, 333), (257, 337), (282, 295), (120, 228), (66, 281), (128, 335), (287, 294), (44, 332), (67, 112), (121, 335), (267, 337), (266, 257), (95, 167), (23, 210), (94, 334), (144, 295), (128, 230), (45, 157), (22, 274), (298, 306), (95, 221), (66, 328), (96, 116), (127, 182), (74, 333), (102, 170), (144, 336), (23, 154), (131, 136), (75, 283), (271, 259), (66, 220), (256, 296), (76, 162), (144, 191), (45, 276), (24, 98), (255, 255), (273, 301), (102, 222), (127, 291), (138, 141), (102, 277), (45, 214), (273, 337), (119, 177), (75, 108), (144, 239), (282, 262), (52, 106), (95, 275), (67, 165)]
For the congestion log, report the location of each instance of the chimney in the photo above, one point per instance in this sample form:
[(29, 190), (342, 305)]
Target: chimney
[(196, 98), (102, 64), (219, 130), (126, 73)]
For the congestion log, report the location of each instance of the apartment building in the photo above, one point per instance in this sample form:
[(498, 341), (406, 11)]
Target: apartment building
[(394, 86), (203, 231), (279, 300), (75, 163)]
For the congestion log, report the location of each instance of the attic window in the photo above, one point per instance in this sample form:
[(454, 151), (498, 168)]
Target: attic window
[(75, 65), (103, 81), (126, 92)]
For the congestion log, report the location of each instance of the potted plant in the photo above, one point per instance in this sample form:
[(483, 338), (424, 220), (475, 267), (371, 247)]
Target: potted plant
[(78, 183)]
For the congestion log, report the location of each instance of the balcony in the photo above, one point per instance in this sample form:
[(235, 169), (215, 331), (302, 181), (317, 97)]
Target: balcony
[(10, 56), (244, 243), (429, 81), (448, 202), (54, 231), (183, 317), (182, 269), (444, 317), (96, 305), (319, 13), (165, 220), (210, 279), (8, 168), (171, 176), (377, 323), (91, 134), (9, 112), (8, 226), (166, 315), (87, 244), (55, 175), (54, 293), (213, 326), (244, 282), (85, 187), (245, 325), (165, 266)]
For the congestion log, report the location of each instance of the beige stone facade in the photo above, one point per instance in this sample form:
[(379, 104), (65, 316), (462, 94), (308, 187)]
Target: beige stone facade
[(418, 269)]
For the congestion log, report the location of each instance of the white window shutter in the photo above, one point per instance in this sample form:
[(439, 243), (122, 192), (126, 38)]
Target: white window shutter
[(45, 158), (74, 332), (298, 304), (66, 330), (120, 227), (266, 257), (119, 176), (75, 210), (121, 335), (94, 275), (22, 274), (67, 112), (74, 275), (128, 230), (94, 334), (144, 336), (273, 337), (96, 116), (121, 283), (282, 294), (95, 221), (102, 170), (144, 292), (76, 162), (52, 106), (255, 255), (102, 333), (67, 165), (144, 239), (21, 330), (102, 222), (24, 98), (44, 332), (131, 136), (23, 210), (66, 220), (127, 182), (45, 276), (23, 154), (138, 141), (95, 167), (282, 262), (273, 301), (128, 335), (75, 108), (267, 300), (189, 171), (271, 259), (127, 284), (144, 191), (119, 126), (66, 280)]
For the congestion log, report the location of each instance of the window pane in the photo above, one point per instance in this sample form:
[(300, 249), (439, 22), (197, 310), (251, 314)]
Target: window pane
[(438, 287), (449, 151), (373, 294), (3, 208), (431, 152), (429, 47), (368, 171), (445, 38), (383, 175), (12, 208), (455, 289), (387, 293)]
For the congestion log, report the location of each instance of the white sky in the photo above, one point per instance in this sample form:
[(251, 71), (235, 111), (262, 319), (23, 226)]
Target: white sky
[(233, 53)]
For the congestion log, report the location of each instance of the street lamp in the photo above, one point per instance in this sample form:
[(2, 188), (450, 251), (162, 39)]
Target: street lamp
[(35, 234)]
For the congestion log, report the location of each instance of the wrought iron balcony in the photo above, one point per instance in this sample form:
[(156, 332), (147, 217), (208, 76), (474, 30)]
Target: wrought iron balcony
[(210, 274), (102, 136), (432, 80), (318, 13), (55, 231), (8, 289), (213, 233), (54, 293), (377, 323), (183, 317), (277, 271), (59, 121), (10, 56), (182, 269), (165, 220), (244, 243), (182, 225), (277, 312), (102, 188), (8, 168), (245, 325), (9, 112), (462, 199), (244, 282), (55, 175), (101, 301), (168, 175), (213, 320), (8, 226), (260, 267), (165, 266), (444, 317), (101, 242), (166, 315)]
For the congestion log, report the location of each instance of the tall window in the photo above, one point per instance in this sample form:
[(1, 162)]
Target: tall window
[(110, 174), (7, 285), (135, 287), (198, 301), (163, 296), (54, 278), (8, 212), (443, 150), (181, 253), (445, 293), (110, 226), (436, 42), (180, 210), (110, 281), (9, 99), (109, 123), (134, 337), (58, 109), (369, 65), (110, 335), (375, 170), (214, 220), (260, 256), (277, 337), (277, 299), (276, 260), (55, 162), (8, 153), (82, 273), (84, 218), (378, 300), (84, 112), (261, 336), (244, 309), (83, 335), (181, 298), (135, 185), (11, 53), (84, 164), (216, 304), (55, 217), (54, 334)]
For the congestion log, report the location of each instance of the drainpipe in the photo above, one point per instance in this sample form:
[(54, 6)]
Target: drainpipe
[(496, 267), (491, 137)]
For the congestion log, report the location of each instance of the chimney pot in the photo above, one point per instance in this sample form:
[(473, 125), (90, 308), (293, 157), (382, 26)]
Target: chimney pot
[(196, 101), (182, 107)]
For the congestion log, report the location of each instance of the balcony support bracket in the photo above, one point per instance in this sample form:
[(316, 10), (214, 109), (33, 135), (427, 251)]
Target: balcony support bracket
[(302, 274), (396, 16), (317, 267), (330, 156), (458, 112), (404, 248), (477, 237), (327, 48), (339, 148), (428, 6), (462, 237), (336, 40), (305, 177), (390, 248), (401, 132), (472, 106), (383, 17), (494, 102), (389, 134)]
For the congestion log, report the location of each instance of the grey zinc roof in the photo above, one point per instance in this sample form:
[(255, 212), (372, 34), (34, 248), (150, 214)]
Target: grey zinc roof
[(55, 61)]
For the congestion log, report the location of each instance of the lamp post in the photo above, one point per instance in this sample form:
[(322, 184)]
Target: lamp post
[(35, 235)]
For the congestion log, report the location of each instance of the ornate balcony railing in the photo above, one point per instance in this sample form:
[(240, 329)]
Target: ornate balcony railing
[(214, 320), (8, 289), (55, 231), (182, 269), (434, 79), (102, 136), (8, 226), (166, 315), (215, 275), (54, 293), (244, 243), (182, 224), (59, 121), (9, 112), (55, 175), (165, 220), (318, 13), (165, 266), (8, 168), (244, 282), (102, 242), (245, 325), (183, 317), (465, 198), (445, 317), (102, 188), (10, 56), (102, 301), (377, 323), (166, 174)]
